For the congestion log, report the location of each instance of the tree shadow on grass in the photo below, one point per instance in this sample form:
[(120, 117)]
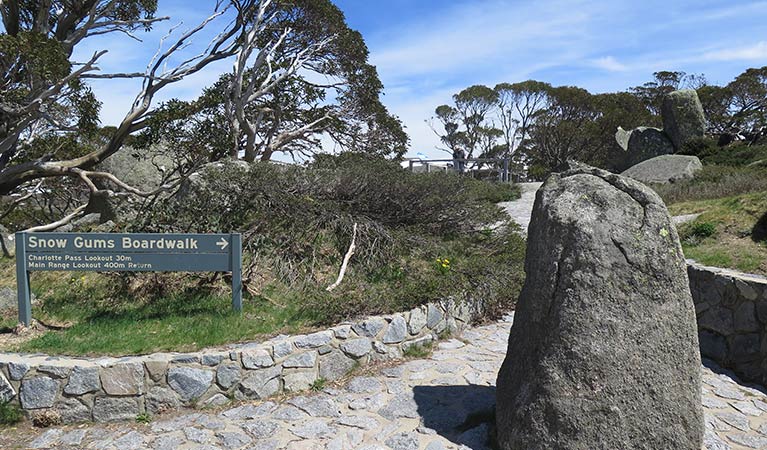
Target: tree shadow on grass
[(463, 414), (759, 232)]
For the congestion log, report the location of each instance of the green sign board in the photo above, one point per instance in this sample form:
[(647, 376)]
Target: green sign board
[(126, 252)]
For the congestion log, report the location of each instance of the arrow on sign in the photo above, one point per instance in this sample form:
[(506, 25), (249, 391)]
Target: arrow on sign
[(222, 243)]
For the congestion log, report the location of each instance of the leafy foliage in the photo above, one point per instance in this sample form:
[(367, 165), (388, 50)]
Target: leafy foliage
[(10, 413), (292, 116), (715, 182), (297, 222), (693, 233), (651, 93), (541, 126)]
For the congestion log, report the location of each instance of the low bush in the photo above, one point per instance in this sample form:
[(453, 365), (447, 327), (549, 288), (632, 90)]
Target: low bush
[(9, 413), (736, 154), (297, 224), (713, 182), (693, 233)]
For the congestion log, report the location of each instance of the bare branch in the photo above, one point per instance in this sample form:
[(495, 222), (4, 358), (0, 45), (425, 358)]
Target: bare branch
[(345, 263), (86, 176), (53, 225)]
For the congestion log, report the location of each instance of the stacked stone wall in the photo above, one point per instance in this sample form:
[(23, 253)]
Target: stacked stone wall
[(731, 308), (110, 389)]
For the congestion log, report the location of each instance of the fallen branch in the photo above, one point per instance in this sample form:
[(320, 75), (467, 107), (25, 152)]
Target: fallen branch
[(347, 257), (58, 223)]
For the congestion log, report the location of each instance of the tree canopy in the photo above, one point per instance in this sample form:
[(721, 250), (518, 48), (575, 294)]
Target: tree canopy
[(541, 126), (299, 73)]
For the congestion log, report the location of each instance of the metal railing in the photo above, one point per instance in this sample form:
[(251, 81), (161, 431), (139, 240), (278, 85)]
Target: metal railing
[(464, 166)]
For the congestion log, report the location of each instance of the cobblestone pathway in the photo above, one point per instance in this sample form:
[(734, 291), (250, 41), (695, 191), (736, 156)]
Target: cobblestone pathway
[(522, 208), (435, 403)]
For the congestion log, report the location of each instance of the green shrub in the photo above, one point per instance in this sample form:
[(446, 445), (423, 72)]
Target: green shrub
[(298, 221), (297, 224), (693, 233), (737, 154), (318, 384), (700, 147), (418, 351), (10, 413), (703, 229), (715, 182)]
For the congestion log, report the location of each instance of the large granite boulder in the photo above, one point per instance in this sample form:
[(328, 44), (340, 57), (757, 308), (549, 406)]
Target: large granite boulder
[(603, 352), (141, 168), (665, 169), (683, 117), (201, 183), (637, 145)]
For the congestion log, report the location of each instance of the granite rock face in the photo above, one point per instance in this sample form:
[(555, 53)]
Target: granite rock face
[(38, 392), (188, 382), (683, 118), (603, 352), (665, 169), (637, 145)]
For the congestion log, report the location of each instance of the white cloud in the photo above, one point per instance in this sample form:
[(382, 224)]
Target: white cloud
[(609, 63), (755, 52), (489, 34)]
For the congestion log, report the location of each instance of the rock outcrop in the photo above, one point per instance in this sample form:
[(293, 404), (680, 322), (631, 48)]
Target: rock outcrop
[(665, 169), (603, 352), (683, 121), (199, 182), (637, 145), (683, 118)]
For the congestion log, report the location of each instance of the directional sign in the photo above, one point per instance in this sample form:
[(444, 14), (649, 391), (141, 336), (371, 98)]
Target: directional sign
[(132, 252)]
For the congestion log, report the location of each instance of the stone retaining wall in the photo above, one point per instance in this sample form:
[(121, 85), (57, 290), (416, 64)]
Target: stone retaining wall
[(731, 308), (108, 389)]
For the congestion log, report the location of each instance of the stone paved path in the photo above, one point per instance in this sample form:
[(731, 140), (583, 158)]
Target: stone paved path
[(522, 208), (434, 403)]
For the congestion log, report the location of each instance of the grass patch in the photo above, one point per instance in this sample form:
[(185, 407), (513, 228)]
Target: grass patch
[(418, 351), (9, 413), (729, 232), (178, 322)]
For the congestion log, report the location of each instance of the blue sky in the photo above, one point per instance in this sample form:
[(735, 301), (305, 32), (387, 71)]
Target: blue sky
[(427, 50)]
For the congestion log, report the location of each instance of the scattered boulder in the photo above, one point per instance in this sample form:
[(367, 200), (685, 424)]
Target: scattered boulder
[(9, 299), (665, 169), (683, 117), (87, 221), (198, 183), (7, 242), (603, 352), (637, 145), (140, 168)]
